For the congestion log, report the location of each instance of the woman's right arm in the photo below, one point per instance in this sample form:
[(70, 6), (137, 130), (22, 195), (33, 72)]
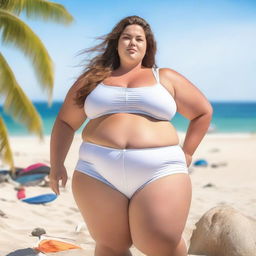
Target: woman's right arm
[(69, 119)]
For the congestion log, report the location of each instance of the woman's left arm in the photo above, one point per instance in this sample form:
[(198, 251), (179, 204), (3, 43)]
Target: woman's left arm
[(192, 104)]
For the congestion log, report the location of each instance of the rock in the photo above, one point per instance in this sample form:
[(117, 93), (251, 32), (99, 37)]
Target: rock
[(208, 185), (224, 230), (2, 214), (38, 232), (215, 165)]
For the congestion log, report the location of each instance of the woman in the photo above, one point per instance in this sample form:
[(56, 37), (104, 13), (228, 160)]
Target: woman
[(131, 182)]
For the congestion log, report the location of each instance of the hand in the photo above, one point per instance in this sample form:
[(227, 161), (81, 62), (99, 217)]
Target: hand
[(56, 174), (188, 159)]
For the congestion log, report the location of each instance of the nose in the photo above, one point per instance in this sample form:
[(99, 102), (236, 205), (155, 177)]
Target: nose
[(132, 41)]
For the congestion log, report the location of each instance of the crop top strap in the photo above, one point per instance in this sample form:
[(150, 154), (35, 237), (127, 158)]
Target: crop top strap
[(156, 73)]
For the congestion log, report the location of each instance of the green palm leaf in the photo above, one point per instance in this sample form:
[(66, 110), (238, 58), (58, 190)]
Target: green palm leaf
[(5, 149), (16, 32), (16, 103), (38, 9)]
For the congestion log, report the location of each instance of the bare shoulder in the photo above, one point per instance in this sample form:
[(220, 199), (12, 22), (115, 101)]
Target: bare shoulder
[(190, 101), (171, 75), (166, 78), (179, 82), (167, 71), (172, 79)]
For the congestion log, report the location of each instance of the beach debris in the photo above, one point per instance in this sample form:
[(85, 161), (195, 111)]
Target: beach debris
[(190, 170), (200, 162), (208, 185), (38, 232), (214, 150), (79, 226), (25, 252), (223, 230), (215, 165), (2, 214), (21, 192), (35, 174), (6, 171), (40, 199), (30, 179), (30, 176), (34, 169), (45, 182), (55, 245), (4, 176)]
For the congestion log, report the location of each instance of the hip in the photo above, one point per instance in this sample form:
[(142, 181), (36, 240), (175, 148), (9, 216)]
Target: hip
[(154, 158)]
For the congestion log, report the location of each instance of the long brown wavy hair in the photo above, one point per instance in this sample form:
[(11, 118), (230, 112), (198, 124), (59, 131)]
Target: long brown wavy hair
[(101, 66)]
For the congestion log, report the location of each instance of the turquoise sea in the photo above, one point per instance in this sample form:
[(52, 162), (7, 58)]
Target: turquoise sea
[(228, 117)]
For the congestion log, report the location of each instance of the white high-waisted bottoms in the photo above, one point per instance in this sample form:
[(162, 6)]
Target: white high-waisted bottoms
[(129, 170)]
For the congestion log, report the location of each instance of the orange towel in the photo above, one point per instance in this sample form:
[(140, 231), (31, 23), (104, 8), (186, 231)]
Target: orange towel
[(47, 245)]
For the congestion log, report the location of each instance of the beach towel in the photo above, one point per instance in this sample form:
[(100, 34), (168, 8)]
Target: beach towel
[(55, 245), (30, 179), (200, 162), (37, 168), (29, 176), (40, 199)]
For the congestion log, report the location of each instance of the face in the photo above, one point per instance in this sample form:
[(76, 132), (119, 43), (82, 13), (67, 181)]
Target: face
[(133, 37)]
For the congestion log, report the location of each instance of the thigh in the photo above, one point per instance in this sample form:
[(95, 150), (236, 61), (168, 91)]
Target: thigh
[(160, 209), (104, 209)]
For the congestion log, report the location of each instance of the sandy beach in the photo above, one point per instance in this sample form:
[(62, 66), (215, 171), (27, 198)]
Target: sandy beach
[(232, 182)]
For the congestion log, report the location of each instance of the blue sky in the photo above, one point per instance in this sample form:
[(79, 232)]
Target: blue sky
[(211, 43)]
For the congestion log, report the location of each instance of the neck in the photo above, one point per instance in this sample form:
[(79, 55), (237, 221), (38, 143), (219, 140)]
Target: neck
[(126, 68)]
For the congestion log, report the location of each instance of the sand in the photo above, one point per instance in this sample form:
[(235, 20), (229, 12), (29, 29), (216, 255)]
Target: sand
[(232, 183)]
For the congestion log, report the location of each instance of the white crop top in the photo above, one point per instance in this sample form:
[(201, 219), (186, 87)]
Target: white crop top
[(152, 100)]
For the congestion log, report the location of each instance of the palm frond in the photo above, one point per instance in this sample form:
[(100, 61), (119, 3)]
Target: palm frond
[(39, 9), (17, 33), (5, 148), (16, 103)]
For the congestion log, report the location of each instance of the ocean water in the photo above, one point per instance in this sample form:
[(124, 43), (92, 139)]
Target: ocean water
[(228, 117)]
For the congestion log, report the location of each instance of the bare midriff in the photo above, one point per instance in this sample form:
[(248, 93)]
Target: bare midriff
[(130, 130)]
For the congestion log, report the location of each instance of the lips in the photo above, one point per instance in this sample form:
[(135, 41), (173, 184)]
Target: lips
[(131, 50)]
